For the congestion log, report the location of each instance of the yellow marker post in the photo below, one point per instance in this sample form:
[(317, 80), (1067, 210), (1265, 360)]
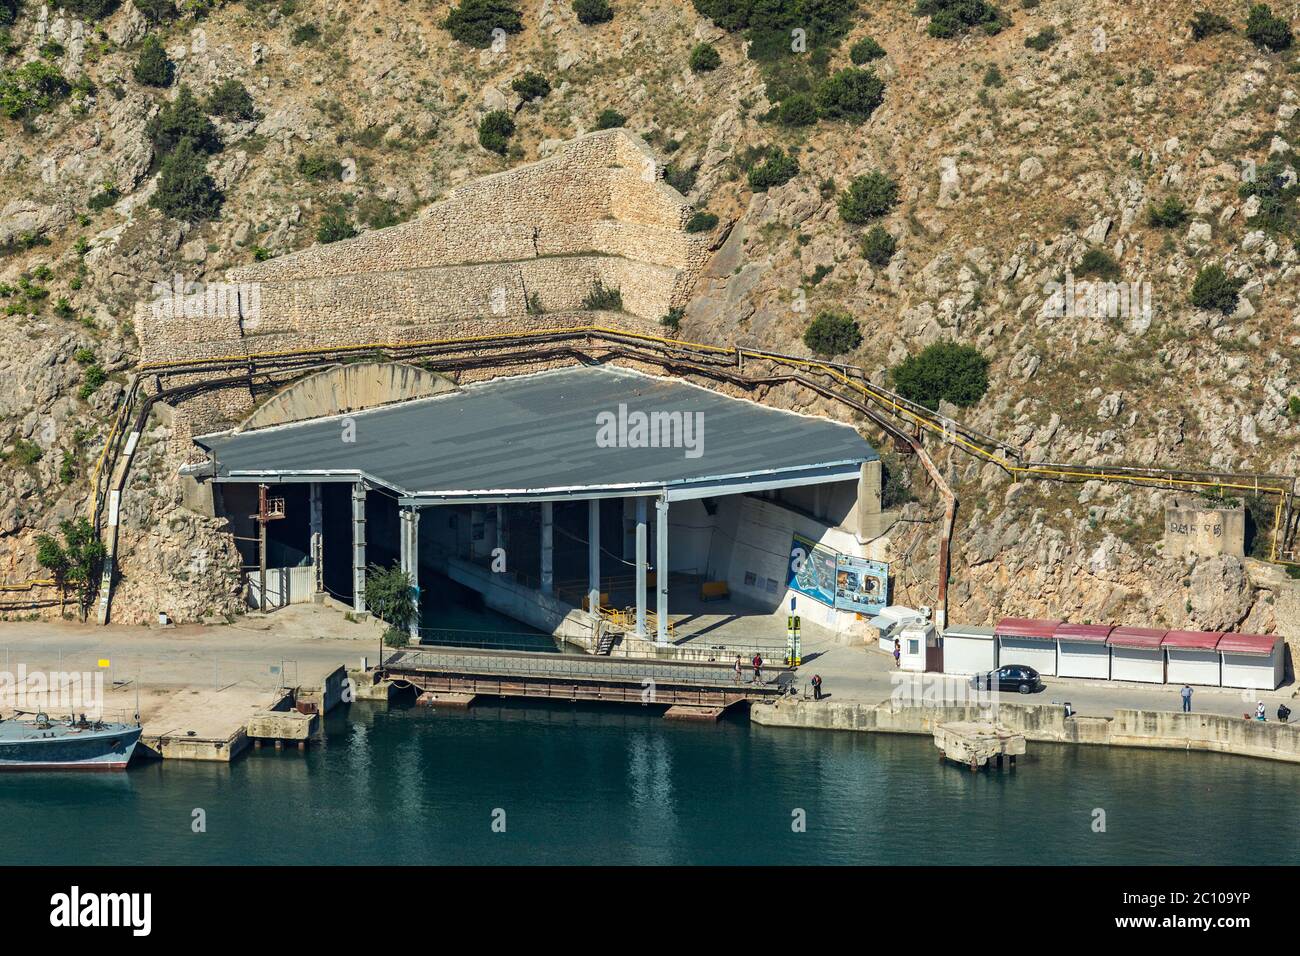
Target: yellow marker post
[(103, 662)]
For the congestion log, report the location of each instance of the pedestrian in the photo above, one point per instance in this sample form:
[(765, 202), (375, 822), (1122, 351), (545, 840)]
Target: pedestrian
[(758, 668), (1187, 699), (1259, 711), (898, 653), (1283, 713), (817, 686), (737, 668)]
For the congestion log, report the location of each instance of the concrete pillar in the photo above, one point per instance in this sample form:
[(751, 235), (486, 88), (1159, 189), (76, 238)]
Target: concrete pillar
[(359, 547), (410, 551), (640, 561), (661, 568), (548, 556), (501, 527), (593, 557), (869, 480), (317, 539)]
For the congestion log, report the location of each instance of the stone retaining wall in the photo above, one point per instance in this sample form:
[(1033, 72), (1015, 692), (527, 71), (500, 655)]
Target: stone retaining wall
[(1164, 730)]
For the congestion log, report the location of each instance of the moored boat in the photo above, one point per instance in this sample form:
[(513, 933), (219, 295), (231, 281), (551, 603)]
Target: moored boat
[(73, 744)]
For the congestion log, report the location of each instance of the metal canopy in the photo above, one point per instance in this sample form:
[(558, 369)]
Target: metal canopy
[(546, 437)]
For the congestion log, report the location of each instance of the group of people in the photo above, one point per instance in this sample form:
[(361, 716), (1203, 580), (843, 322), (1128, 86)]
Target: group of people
[(757, 664), (1283, 711)]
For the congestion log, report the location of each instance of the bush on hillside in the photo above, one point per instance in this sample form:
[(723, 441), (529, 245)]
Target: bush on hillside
[(705, 58), (1215, 289), (472, 21), (31, 89), (156, 11), (185, 190), (610, 119), (495, 130), (774, 167), (850, 94), (152, 67), (952, 18), (865, 50), (334, 226), (231, 100), (797, 109), (868, 197), (701, 222), (183, 118), (878, 246), (1168, 213), (945, 371), (531, 86), (832, 333), (592, 11), (1206, 24), (1266, 31)]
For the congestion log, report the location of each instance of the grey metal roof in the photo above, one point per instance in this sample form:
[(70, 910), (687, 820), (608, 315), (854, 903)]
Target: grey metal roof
[(536, 434)]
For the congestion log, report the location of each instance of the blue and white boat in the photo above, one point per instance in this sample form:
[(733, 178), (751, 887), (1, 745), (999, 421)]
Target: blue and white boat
[(72, 744)]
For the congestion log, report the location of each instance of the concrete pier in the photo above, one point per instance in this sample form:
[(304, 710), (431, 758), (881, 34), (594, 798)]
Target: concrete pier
[(977, 743)]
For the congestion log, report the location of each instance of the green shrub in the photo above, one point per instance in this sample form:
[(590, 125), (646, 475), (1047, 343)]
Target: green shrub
[(152, 68), (1293, 406), (772, 167), (832, 333), (26, 452), (767, 24), (865, 50), (592, 11), (868, 197), (797, 109), (95, 377), (107, 196), (1277, 193), (473, 21), (945, 371), (951, 18), (183, 118), (185, 190), (1042, 40), (9, 12), (602, 297), (156, 11), (1100, 263), (304, 33), (1215, 289), (672, 319), (32, 89), (1169, 213), (531, 86), (610, 119), (379, 213), (993, 76), (231, 100), (701, 222), (495, 130), (705, 58), (850, 94), (1206, 24), (878, 246), (84, 356), (319, 167), (681, 179), (1265, 30), (333, 226), (391, 597)]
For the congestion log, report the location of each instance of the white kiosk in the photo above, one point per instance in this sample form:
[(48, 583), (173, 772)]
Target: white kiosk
[(1081, 650), (1192, 657), (1028, 641), (1135, 654), (1252, 660), (969, 649)]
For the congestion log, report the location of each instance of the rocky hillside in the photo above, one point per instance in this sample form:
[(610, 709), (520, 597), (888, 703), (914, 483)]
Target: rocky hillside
[(1066, 143)]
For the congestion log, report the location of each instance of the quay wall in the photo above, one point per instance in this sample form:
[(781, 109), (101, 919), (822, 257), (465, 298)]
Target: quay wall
[(1161, 730)]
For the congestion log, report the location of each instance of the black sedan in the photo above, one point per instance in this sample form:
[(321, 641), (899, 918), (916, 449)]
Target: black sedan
[(1017, 677)]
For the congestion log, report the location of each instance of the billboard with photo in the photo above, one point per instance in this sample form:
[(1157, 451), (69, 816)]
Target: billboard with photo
[(861, 585), (812, 570)]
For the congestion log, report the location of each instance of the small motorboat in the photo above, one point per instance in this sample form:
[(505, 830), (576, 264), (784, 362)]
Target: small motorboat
[(39, 743)]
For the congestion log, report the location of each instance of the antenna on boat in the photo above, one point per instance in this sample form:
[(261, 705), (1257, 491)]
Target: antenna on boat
[(137, 698)]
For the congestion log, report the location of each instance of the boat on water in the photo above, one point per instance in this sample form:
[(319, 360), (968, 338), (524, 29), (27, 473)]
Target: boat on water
[(73, 744)]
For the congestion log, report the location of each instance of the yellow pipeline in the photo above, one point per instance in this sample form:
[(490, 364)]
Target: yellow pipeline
[(875, 395)]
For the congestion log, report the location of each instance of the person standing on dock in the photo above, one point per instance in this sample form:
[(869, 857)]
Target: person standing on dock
[(758, 668), (737, 668), (1187, 698), (817, 686), (898, 652)]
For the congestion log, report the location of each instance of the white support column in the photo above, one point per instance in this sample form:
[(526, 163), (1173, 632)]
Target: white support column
[(359, 547), (548, 533), (640, 566), (661, 569), (593, 557), (410, 549), (317, 539)]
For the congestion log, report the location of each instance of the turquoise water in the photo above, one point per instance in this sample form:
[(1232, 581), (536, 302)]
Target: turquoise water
[(590, 785)]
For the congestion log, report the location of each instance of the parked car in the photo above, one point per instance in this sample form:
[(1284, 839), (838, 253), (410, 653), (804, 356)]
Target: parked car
[(1018, 677)]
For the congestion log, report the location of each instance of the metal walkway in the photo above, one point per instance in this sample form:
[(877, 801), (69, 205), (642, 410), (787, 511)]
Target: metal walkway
[(581, 677)]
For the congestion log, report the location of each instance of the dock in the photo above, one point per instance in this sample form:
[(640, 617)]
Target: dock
[(977, 743), (690, 690)]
